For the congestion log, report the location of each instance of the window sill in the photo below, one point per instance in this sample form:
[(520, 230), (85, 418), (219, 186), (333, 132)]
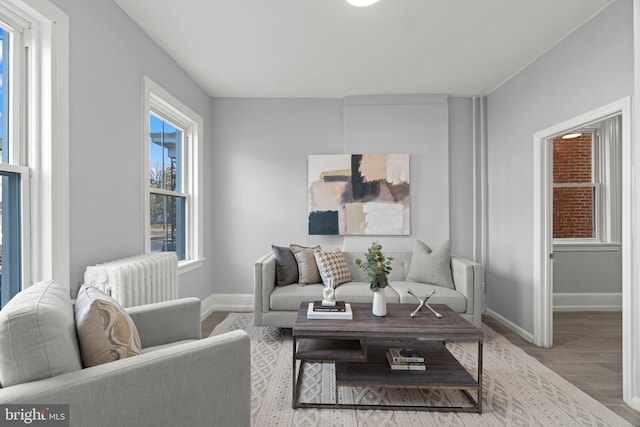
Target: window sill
[(592, 246), (189, 265)]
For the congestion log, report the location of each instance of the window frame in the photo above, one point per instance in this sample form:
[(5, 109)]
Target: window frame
[(606, 167), (42, 132), (595, 184), (158, 101)]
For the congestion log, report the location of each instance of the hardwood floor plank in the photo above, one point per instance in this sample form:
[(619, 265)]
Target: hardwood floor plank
[(587, 352)]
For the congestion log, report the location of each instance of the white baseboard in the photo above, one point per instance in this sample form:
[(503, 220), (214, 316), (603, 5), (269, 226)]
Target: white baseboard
[(226, 302), (517, 329), (587, 301)]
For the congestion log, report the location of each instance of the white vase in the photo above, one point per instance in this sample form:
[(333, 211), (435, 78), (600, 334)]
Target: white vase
[(379, 307)]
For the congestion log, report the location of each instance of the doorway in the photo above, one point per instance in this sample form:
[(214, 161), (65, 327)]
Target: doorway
[(543, 223), (586, 217)]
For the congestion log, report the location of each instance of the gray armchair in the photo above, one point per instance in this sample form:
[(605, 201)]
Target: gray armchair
[(179, 379)]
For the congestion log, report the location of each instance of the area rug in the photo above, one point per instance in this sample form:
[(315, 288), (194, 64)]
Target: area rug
[(517, 389)]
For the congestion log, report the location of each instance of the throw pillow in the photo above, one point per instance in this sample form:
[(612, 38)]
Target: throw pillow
[(307, 267), (333, 267), (105, 330), (286, 266), (38, 335), (431, 266)]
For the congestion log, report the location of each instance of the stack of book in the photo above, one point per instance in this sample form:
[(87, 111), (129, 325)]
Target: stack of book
[(405, 359), (341, 310)]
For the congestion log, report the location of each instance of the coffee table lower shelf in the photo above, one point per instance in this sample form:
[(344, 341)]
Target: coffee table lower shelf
[(443, 372)]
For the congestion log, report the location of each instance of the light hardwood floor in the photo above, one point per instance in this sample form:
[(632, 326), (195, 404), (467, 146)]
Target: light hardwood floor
[(587, 352)]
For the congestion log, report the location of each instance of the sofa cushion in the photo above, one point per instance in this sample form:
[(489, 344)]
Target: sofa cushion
[(454, 299), (431, 266), (105, 330), (38, 335), (289, 298), (286, 266), (332, 266), (307, 267)]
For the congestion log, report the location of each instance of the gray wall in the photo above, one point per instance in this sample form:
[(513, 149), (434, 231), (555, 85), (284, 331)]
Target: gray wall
[(418, 125), (587, 271), (259, 183), (109, 54), (260, 171), (461, 180), (590, 68)]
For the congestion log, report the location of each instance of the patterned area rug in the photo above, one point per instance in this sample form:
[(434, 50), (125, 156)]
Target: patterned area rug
[(517, 389)]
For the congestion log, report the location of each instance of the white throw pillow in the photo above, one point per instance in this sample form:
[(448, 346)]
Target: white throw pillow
[(431, 266)]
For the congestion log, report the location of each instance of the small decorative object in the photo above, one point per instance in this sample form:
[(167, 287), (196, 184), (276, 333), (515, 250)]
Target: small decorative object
[(423, 303), (377, 268), (328, 296), (379, 306)]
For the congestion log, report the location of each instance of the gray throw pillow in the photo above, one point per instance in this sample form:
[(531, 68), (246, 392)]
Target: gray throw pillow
[(431, 266), (38, 335), (307, 267), (286, 265)]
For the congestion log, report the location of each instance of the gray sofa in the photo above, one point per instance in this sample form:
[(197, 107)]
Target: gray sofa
[(278, 305), (178, 380)]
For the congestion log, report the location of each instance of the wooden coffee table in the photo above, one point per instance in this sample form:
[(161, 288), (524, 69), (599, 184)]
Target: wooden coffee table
[(358, 348)]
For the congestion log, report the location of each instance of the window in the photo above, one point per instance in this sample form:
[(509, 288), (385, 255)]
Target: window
[(587, 184), (34, 145), (12, 169), (167, 200), (575, 190), (173, 177)]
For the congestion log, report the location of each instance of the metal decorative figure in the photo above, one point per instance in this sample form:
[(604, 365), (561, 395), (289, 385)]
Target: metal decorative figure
[(423, 303)]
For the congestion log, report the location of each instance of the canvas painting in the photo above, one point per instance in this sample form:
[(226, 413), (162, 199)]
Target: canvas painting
[(359, 194)]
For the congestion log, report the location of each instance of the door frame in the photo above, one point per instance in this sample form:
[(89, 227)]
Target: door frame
[(542, 232)]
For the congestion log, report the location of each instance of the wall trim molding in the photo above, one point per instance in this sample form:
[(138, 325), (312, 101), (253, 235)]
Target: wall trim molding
[(226, 302), (509, 324), (587, 301)]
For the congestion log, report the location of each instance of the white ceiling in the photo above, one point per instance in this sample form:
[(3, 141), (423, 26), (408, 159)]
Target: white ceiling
[(327, 48)]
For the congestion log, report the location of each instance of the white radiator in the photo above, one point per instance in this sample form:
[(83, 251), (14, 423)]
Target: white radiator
[(137, 280)]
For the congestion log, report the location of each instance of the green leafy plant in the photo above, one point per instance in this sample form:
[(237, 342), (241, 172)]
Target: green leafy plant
[(376, 267)]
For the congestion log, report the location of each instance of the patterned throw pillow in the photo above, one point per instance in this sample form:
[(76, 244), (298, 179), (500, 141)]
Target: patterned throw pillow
[(431, 266), (307, 267), (106, 332), (333, 267)]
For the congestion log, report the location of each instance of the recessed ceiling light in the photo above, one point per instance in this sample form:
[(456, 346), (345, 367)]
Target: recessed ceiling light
[(571, 135), (361, 3)]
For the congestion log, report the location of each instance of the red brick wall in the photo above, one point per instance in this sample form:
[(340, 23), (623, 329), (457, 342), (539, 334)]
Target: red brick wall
[(572, 207)]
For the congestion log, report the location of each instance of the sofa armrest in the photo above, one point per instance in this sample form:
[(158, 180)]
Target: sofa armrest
[(467, 279), (168, 321), (264, 282), (204, 382)]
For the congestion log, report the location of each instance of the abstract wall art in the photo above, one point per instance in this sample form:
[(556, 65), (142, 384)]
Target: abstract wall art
[(359, 194)]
